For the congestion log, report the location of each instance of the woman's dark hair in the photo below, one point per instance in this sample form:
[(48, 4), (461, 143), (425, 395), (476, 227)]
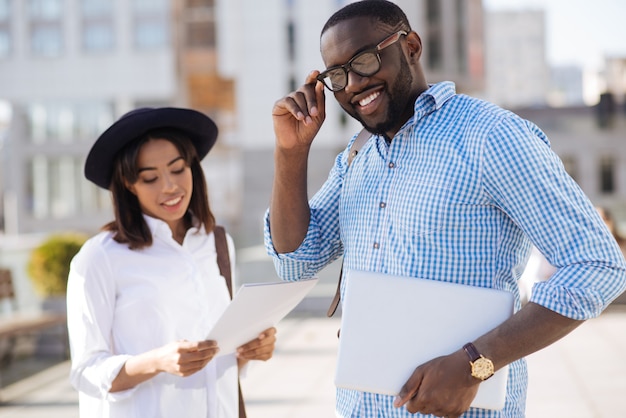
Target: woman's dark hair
[(381, 10), (129, 225)]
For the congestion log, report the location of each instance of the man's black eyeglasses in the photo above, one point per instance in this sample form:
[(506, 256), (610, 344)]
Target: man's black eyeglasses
[(365, 63)]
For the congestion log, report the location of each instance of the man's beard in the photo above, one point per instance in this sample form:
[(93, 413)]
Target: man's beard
[(398, 98)]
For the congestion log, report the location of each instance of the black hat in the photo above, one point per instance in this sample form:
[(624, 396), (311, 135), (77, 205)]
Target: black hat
[(197, 126)]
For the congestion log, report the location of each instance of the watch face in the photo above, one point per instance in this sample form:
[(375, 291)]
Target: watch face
[(482, 368)]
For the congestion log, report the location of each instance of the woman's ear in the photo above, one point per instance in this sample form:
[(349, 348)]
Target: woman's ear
[(130, 187)]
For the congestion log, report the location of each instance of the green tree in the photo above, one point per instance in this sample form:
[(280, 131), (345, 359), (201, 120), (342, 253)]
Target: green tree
[(49, 263)]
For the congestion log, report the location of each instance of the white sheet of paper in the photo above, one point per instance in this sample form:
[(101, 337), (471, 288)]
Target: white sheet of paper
[(255, 308)]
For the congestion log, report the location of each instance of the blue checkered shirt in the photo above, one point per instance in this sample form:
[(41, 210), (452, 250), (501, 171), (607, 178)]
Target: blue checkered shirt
[(459, 195)]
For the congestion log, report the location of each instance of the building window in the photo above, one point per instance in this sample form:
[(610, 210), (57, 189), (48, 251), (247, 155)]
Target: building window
[(46, 34), (461, 47), (56, 189), (46, 40), (37, 188), (200, 34), (66, 123), (293, 84), (343, 119), (5, 10), (291, 39), (5, 41), (200, 3), (434, 35), (5, 28), (200, 24), (151, 29), (571, 166), (45, 9), (97, 36), (607, 175), (98, 33)]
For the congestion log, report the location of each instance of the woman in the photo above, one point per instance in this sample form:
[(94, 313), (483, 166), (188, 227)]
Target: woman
[(144, 293)]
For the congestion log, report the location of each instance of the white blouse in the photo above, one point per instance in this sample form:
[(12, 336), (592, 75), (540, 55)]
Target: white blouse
[(124, 302)]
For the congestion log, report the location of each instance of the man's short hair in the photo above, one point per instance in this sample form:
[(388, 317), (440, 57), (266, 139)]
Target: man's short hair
[(381, 10)]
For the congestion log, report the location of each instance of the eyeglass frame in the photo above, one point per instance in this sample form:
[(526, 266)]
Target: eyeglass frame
[(347, 67)]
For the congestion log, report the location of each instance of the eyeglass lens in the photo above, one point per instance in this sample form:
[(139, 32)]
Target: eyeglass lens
[(364, 64)]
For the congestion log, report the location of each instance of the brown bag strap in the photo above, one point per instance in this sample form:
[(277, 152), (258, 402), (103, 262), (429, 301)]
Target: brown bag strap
[(335, 303), (223, 262), (223, 258), (358, 143)]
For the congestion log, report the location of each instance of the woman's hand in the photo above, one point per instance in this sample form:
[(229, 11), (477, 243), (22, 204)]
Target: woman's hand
[(261, 348), (180, 358), (184, 358)]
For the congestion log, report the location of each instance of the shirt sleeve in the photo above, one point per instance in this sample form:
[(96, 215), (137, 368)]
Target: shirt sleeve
[(322, 244), (528, 182), (90, 305)]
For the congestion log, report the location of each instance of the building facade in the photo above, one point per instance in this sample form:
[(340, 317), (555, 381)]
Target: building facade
[(69, 68), (591, 143), (516, 71)]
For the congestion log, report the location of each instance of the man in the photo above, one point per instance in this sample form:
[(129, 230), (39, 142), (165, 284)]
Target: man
[(447, 188)]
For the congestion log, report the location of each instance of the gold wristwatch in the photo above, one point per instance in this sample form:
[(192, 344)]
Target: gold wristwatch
[(482, 367)]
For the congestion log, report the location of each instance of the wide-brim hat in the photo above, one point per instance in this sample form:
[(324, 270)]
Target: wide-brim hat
[(200, 129)]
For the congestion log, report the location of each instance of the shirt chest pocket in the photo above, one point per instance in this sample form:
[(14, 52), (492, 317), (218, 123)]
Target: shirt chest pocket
[(418, 207)]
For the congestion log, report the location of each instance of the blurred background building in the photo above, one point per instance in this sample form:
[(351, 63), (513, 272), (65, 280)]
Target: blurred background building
[(69, 68), (517, 70)]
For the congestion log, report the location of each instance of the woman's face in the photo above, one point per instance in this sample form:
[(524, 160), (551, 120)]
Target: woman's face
[(164, 184)]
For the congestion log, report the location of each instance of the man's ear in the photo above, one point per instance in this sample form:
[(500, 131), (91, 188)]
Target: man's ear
[(414, 44)]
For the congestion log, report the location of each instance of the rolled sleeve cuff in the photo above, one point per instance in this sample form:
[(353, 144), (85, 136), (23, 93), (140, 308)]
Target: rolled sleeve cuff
[(297, 264), (111, 368), (575, 303)]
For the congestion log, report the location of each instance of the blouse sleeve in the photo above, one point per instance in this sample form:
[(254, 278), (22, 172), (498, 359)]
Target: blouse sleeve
[(90, 307)]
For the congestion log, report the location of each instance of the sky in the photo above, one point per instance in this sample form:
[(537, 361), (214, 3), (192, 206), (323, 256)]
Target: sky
[(578, 32)]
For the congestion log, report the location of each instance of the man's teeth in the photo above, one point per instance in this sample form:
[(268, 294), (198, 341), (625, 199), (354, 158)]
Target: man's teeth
[(172, 202), (369, 99)]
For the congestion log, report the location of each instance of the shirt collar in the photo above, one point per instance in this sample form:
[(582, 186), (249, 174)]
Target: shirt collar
[(433, 98), (160, 228)]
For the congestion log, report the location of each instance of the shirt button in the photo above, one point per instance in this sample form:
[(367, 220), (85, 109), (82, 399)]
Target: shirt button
[(376, 245), (383, 205), (391, 165)]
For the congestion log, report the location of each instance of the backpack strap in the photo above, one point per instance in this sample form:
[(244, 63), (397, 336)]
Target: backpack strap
[(358, 143), (223, 262)]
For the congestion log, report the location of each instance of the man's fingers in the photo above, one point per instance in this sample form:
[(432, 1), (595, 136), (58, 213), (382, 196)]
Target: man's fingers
[(314, 99), (409, 390), (320, 99)]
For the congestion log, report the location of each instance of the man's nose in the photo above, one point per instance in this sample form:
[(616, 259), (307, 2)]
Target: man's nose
[(355, 82)]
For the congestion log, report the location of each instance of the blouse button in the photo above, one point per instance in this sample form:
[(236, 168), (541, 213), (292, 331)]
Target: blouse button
[(383, 205), (391, 165), (376, 245)]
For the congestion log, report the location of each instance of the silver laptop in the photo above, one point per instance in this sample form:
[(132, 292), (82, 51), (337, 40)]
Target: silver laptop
[(392, 324)]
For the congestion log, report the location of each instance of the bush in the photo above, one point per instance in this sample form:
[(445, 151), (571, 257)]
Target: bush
[(49, 263)]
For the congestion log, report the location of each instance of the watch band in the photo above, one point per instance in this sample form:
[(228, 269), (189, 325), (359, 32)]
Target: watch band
[(471, 352)]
